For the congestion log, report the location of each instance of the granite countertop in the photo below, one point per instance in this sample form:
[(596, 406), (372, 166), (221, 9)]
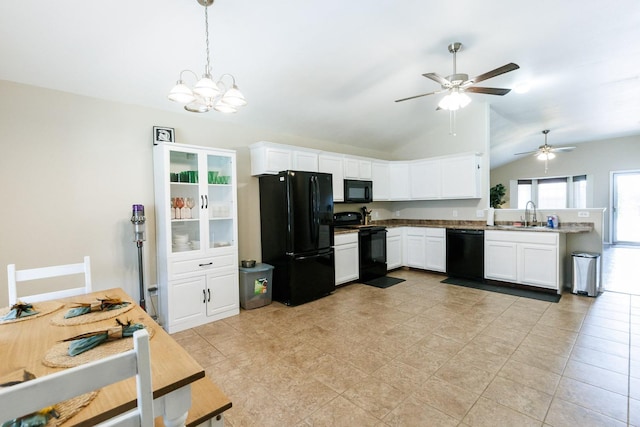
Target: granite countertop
[(565, 228)]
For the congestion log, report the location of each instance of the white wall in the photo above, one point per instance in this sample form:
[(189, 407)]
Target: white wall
[(596, 158)]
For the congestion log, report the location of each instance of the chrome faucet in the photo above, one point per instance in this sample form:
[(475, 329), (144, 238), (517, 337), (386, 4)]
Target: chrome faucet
[(527, 213)]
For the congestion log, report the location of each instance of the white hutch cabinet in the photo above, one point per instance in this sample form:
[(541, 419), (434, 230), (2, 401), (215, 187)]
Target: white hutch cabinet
[(196, 234)]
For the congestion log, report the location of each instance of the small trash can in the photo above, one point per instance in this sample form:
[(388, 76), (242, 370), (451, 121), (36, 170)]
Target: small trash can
[(586, 273), (255, 286)]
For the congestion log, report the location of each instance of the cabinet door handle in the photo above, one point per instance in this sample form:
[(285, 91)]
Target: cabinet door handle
[(204, 296), (209, 293), (206, 200), (201, 202), (204, 265)]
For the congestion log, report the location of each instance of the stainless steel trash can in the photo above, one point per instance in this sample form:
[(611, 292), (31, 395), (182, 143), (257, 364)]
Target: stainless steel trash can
[(255, 286), (586, 273)]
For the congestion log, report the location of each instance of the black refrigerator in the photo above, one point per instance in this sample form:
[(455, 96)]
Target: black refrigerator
[(296, 219)]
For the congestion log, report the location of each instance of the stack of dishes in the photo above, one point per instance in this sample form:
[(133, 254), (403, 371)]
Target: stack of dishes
[(181, 243)]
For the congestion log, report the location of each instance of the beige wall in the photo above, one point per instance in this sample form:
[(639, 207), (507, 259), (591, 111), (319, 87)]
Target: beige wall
[(597, 159)]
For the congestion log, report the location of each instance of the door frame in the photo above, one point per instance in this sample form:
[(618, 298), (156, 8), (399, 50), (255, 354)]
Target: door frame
[(612, 204)]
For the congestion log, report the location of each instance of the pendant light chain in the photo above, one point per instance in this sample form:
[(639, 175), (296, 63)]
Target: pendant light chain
[(206, 30)]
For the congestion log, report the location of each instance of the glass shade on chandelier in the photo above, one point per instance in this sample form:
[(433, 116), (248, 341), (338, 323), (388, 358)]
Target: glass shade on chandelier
[(454, 101), (208, 94)]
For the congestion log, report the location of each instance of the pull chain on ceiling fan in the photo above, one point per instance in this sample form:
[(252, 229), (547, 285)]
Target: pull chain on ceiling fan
[(546, 152), (457, 84)]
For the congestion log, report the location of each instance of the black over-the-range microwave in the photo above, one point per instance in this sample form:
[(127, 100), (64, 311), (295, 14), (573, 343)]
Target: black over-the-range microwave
[(357, 191)]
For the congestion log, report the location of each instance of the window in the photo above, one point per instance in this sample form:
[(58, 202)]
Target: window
[(553, 193)]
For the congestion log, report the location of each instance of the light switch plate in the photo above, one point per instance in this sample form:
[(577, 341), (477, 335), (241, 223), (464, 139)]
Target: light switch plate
[(479, 213)]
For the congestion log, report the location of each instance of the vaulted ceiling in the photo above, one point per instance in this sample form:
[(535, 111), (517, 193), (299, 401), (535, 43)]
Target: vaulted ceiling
[(331, 69)]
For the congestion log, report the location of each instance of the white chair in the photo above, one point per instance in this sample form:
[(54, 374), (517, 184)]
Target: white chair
[(15, 276), (31, 396)]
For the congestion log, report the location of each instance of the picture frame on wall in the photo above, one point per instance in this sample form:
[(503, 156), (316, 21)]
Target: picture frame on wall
[(163, 134)]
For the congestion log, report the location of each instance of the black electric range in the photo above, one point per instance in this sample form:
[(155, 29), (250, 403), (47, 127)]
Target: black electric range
[(372, 243)]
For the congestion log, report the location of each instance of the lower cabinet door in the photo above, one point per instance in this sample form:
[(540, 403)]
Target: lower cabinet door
[(188, 302), (222, 292), (436, 254), (346, 262), (538, 265), (394, 252), (501, 261)]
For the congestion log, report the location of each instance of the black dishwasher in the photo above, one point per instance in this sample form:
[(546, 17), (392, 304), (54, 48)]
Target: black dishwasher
[(465, 253)]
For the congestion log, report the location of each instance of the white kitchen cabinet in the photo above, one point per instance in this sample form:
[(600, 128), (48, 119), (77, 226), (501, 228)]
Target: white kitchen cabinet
[(357, 168), (394, 247), (461, 178), (346, 257), (415, 251), (500, 260), (380, 179), (271, 158), (436, 251), (425, 248), (525, 257), (425, 179), (196, 234), (304, 161), (399, 181), (334, 165)]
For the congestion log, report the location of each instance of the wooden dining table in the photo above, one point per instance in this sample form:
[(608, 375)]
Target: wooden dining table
[(23, 345)]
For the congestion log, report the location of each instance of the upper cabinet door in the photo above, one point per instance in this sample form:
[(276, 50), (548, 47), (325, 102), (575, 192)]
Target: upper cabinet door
[(461, 177), (334, 166), (399, 181), (305, 161), (426, 179), (380, 178)]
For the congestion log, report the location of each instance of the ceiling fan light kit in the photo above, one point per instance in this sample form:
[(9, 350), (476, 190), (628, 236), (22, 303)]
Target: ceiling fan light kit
[(457, 84), (208, 94)]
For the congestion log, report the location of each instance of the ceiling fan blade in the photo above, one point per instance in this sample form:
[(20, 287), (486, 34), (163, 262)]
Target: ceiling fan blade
[(418, 96), (526, 152), (500, 70), (487, 90), (563, 148), (438, 79)]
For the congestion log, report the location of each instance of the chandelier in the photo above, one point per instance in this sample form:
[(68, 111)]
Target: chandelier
[(223, 95)]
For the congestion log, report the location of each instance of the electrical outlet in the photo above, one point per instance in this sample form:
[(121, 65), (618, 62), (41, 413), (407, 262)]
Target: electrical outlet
[(479, 213), (583, 214), (374, 214), (396, 213), (455, 213)]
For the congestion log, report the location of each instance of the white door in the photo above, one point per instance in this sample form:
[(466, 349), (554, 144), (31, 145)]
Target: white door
[(222, 291), (436, 254), (188, 299), (416, 248), (380, 178), (346, 262)]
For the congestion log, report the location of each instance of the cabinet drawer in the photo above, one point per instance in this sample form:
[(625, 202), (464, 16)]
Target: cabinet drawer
[(186, 267), (540, 237), (343, 239)]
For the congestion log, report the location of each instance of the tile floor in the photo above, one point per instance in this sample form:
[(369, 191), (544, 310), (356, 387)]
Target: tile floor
[(423, 353)]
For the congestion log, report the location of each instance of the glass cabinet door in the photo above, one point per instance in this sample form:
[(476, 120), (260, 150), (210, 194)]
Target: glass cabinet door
[(219, 194), (184, 201)]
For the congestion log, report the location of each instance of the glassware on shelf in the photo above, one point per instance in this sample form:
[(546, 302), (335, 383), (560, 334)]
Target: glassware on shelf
[(173, 208), (179, 208), (190, 203)]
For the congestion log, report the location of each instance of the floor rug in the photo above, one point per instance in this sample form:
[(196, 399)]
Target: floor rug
[(526, 293), (383, 282)]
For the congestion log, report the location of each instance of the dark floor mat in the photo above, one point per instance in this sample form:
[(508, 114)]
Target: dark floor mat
[(526, 293), (383, 282)]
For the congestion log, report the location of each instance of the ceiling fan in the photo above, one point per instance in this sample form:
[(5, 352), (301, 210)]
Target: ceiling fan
[(546, 152), (458, 83)]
